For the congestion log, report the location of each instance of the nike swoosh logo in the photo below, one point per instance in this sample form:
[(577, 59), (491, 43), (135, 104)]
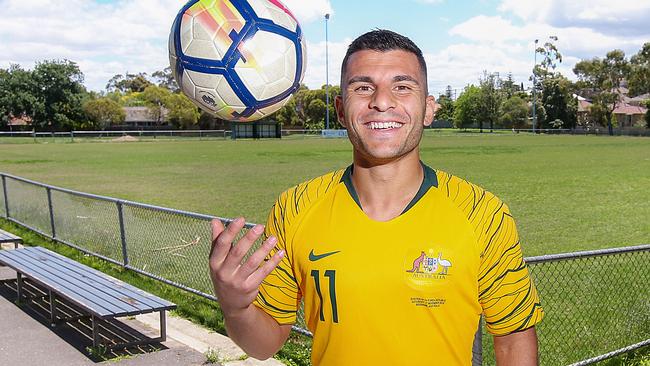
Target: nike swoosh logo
[(315, 257)]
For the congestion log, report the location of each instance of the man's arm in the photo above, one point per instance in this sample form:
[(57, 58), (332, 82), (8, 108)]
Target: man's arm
[(236, 285), (517, 349)]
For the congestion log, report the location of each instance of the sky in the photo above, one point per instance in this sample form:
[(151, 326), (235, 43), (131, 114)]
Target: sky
[(459, 38)]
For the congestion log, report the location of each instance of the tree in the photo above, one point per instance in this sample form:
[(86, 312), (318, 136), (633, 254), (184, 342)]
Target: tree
[(558, 102), (647, 114), (165, 79), (509, 87), (103, 112), (466, 109), (17, 94), (309, 112), (60, 94), (604, 78), (156, 98), (490, 99), (554, 89), (639, 73), (130, 82), (287, 115), (315, 113), (446, 111), (514, 113), (182, 112)]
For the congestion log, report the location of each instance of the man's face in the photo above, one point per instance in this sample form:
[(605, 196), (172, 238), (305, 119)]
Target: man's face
[(384, 104)]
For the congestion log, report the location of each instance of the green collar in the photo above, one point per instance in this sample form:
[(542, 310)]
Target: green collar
[(430, 180)]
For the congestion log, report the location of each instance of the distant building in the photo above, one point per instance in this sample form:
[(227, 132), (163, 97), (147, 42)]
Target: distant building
[(627, 115), (639, 100), (137, 117), (21, 123)]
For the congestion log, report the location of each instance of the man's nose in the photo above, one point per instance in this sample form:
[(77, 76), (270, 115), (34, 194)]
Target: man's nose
[(382, 99)]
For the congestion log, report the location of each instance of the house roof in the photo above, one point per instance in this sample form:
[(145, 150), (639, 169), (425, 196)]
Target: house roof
[(629, 109), (142, 114), (583, 105), (20, 121), (638, 99)]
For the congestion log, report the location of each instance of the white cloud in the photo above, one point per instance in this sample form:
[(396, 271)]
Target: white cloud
[(497, 43), (624, 17), (309, 11), (315, 73), (104, 39), (461, 64)]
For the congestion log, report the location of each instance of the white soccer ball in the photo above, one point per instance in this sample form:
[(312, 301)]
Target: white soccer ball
[(238, 60)]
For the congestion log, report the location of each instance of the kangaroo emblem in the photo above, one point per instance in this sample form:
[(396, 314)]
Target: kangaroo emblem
[(416, 264)]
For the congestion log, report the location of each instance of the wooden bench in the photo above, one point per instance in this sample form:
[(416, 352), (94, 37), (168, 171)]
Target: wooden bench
[(98, 294), (7, 237)]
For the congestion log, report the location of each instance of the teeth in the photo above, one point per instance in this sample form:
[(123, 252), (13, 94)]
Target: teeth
[(383, 125)]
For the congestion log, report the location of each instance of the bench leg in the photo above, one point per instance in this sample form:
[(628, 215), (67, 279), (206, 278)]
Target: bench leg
[(163, 326), (19, 286), (95, 332), (52, 308)]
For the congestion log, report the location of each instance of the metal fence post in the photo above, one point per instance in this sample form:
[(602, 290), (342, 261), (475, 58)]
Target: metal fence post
[(125, 255), (477, 347), (49, 204), (4, 191)]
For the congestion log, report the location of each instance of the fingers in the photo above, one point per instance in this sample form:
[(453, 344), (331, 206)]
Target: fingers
[(217, 229), (222, 239), (255, 280), (253, 262), (237, 253)]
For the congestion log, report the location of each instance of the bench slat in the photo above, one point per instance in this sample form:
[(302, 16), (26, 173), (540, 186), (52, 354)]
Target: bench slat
[(43, 271), (115, 287), (7, 237), (99, 293)]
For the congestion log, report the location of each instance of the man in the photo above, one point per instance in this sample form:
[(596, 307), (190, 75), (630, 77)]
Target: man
[(395, 262)]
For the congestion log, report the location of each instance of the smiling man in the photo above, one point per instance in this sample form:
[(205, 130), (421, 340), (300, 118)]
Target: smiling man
[(395, 262)]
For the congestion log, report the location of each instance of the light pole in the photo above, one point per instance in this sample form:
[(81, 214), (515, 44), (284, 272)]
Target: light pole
[(535, 89), (327, 77)]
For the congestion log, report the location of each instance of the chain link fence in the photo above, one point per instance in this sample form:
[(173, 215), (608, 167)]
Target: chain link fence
[(597, 303)]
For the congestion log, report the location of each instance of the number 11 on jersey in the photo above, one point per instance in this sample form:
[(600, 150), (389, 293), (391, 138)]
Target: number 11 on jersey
[(331, 275)]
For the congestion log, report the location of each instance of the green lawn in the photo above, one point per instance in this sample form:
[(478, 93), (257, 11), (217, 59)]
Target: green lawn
[(566, 192)]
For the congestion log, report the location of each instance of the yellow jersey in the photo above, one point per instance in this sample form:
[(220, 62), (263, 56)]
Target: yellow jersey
[(406, 291)]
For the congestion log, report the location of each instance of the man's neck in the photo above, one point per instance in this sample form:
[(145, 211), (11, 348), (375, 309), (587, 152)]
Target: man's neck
[(385, 190)]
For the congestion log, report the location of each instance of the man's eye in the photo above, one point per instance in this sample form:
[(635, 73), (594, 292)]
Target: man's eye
[(363, 89), (403, 88)]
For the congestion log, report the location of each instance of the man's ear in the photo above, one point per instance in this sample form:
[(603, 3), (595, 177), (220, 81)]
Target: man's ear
[(430, 110), (340, 112)]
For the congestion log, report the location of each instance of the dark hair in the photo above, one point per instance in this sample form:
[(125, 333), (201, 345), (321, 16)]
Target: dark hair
[(383, 40)]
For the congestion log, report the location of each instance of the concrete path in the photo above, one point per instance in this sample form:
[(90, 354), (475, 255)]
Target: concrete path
[(26, 339)]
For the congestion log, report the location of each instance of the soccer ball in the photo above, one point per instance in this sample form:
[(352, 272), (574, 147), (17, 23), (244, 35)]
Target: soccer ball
[(238, 60)]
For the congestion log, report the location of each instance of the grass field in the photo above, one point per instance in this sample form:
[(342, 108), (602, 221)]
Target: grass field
[(567, 192)]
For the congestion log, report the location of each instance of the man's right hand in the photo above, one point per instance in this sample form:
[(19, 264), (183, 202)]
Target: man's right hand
[(236, 284)]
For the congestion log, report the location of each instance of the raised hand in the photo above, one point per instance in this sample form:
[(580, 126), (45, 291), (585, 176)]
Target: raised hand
[(236, 284)]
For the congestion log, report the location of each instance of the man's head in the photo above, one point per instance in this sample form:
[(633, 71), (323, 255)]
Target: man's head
[(383, 40), (384, 103)]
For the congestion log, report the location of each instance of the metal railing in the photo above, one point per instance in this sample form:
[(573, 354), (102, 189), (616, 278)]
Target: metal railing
[(597, 303)]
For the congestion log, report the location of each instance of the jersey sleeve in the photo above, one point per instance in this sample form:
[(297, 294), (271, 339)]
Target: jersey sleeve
[(506, 292), (279, 294)]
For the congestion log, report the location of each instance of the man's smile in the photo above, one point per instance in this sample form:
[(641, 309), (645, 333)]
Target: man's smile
[(383, 125)]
